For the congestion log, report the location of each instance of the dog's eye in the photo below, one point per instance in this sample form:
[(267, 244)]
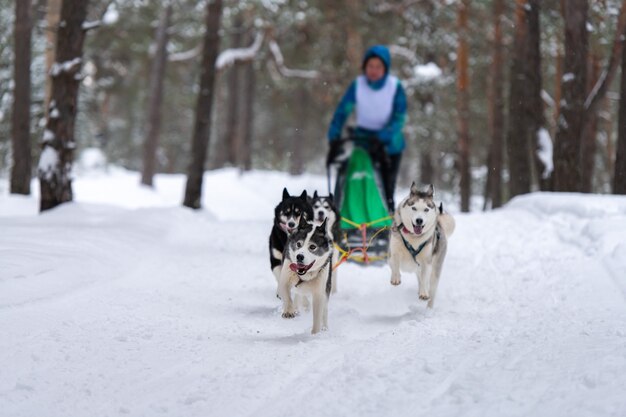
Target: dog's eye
[(414, 208), (312, 247), (298, 245), (296, 212), (426, 210)]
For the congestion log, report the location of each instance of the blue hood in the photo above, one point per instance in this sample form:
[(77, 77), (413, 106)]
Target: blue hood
[(382, 52), (379, 51)]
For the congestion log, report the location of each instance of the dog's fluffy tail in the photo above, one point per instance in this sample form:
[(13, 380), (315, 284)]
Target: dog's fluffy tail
[(446, 222)]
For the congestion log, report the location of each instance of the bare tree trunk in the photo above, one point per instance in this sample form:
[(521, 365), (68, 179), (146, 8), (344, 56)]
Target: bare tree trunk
[(20, 119), (53, 15), (427, 169), (536, 117), (248, 115), (567, 147), (157, 75), (298, 142), (202, 126), (590, 132), (463, 110), (354, 42), (619, 177), (232, 138), (518, 149), (57, 156), (493, 188)]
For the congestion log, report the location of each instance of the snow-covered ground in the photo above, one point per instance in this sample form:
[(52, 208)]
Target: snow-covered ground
[(125, 303)]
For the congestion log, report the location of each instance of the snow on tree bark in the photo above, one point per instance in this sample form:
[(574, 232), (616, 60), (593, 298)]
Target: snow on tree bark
[(55, 174), (567, 146)]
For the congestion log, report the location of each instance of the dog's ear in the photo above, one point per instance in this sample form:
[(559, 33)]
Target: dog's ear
[(303, 195), (430, 191), (440, 208), (414, 189), (315, 194), (323, 225), (285, 194), (303, 222)]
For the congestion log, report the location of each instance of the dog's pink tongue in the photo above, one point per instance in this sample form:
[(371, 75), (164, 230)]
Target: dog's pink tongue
[(293, 267), (418, 229)]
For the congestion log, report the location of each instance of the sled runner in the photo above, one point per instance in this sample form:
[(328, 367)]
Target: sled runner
[(359, 194)]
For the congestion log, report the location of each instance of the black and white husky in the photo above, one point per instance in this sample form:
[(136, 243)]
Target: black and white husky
[(324, 210), (307, 270), (287, 216), (419, 241)]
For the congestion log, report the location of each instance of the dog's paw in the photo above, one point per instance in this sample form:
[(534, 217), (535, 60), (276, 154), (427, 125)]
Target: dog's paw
[(289, 314), (424, 297), (395, 281)]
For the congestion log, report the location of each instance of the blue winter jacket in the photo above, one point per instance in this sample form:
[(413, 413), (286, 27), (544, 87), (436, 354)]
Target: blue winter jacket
[(391, 134)]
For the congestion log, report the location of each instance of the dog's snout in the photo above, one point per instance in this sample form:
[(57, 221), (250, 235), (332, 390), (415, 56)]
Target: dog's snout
[(300, 257), (291, 224), (419, 221)]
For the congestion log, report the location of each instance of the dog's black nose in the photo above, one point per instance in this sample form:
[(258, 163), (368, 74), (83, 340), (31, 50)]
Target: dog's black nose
[(291, 225), (300, 257), (320, 213), (419, 222)]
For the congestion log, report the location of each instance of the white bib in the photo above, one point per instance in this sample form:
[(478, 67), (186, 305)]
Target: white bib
[(374, 107)]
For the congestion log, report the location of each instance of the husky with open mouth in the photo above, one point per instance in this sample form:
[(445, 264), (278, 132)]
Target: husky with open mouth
[(419, 241), (307, 270), (287, 216)]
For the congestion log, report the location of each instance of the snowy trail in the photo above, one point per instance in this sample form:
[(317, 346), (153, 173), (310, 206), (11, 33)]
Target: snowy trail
[(161, 311)]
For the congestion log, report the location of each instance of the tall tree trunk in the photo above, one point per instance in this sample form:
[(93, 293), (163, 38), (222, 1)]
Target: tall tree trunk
[(463, 110), (57, 156), (248, 114), (590, 131), (567, 147), (232, 140), (427, 169), (157, 76), (619, 176), (354, 41), (202, 126), (536, 117), (518, 149), (20, 122), (53, 15), (299, 140), (496, 105)]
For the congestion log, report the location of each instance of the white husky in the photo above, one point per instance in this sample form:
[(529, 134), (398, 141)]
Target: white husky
[(418, 241), (307, 269)]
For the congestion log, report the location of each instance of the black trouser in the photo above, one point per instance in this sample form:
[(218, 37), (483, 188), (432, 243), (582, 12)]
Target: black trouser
[(389, 176)]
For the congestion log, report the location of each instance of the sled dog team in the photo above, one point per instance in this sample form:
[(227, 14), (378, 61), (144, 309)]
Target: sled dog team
[(303, 255)]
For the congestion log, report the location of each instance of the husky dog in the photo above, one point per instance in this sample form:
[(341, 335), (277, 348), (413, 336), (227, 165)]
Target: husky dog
[(419, 240), (287, 216), (324, 209), (307, 269)]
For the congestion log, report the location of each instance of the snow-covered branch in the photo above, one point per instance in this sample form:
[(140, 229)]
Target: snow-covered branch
[(230, 56), (68, 66), (185, 55), (287, 72)]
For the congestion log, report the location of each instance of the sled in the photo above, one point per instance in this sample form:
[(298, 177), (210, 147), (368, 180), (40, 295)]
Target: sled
[(359, 195)]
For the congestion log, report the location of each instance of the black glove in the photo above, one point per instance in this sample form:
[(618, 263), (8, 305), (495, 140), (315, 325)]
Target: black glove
[(336, 146)]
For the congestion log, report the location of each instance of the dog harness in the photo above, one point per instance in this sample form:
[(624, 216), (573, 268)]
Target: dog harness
[(415, 252)]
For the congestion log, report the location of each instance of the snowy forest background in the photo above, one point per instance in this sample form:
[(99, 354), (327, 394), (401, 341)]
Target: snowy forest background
[(483, 78)]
